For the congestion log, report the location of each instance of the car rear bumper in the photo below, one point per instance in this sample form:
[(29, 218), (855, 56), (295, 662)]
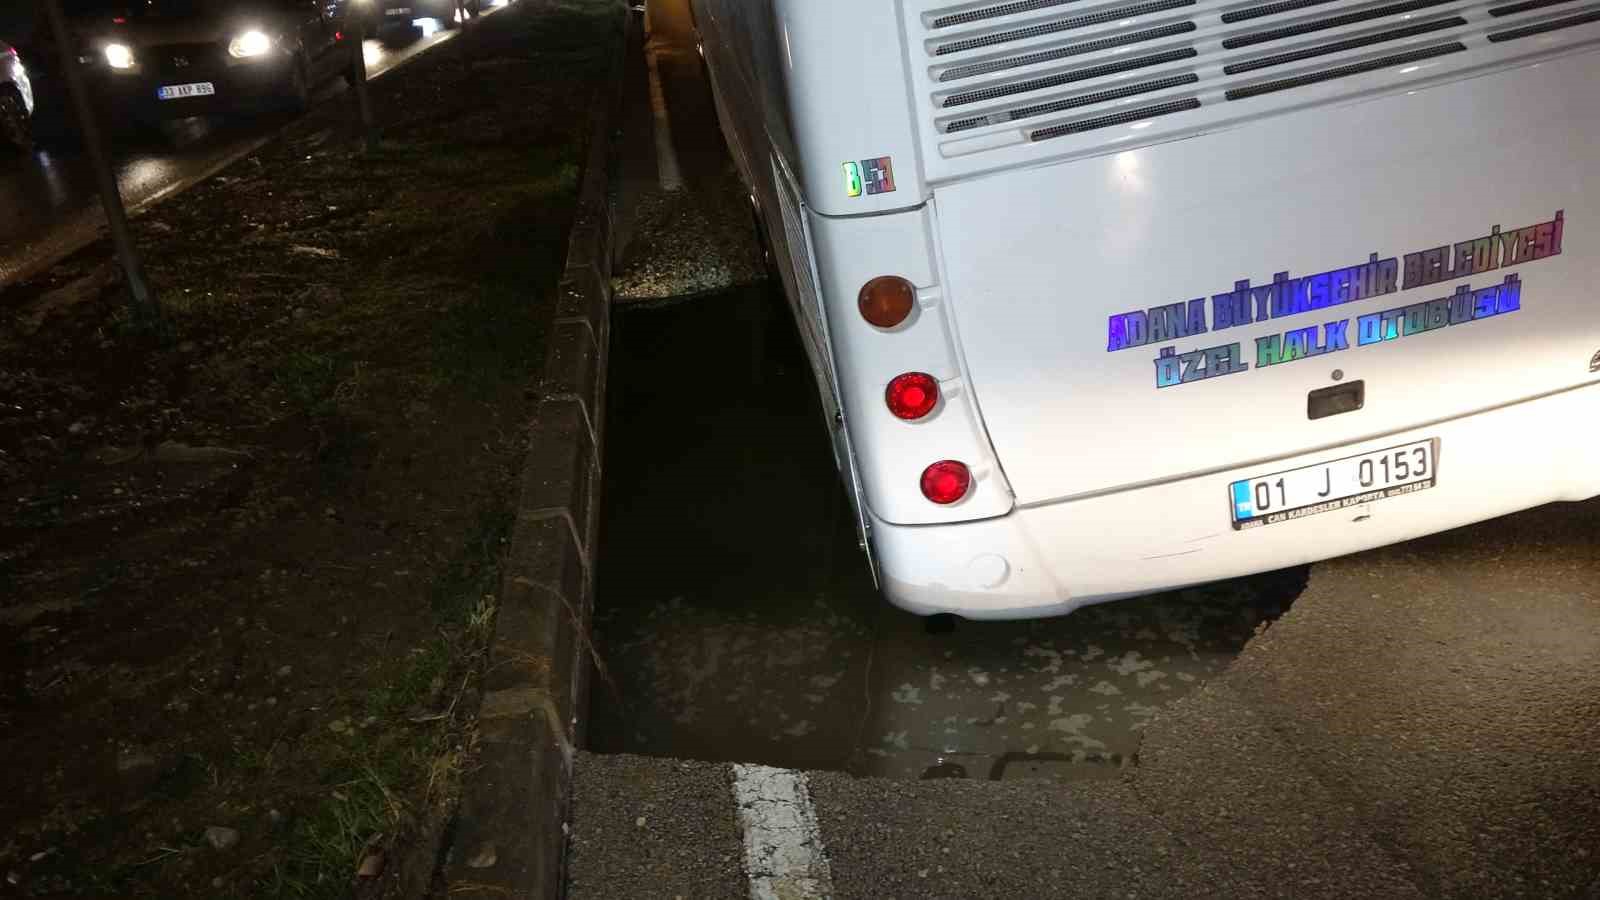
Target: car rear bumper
[(390, 12), (1051, 559), (243, 87)]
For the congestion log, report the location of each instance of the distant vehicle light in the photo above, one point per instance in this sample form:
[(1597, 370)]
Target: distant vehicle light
[(946, 481), (886, 301), (912, 395), (119, 56), (251, 43)]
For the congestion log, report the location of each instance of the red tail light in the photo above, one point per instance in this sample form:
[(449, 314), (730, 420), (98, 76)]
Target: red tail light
[(886, 301), (946, 481), (912, 395)]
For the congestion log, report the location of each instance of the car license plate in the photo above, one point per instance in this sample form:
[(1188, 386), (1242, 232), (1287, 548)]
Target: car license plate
[(1331, 486), (401, 11), (179, 91)]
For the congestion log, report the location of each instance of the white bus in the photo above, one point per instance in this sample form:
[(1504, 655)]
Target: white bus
[(1105, 297)]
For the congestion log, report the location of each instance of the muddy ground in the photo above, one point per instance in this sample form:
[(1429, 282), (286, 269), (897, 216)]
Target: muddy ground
[(248, 558)]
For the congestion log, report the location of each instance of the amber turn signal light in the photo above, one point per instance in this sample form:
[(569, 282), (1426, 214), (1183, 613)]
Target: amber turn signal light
[(886, 301)]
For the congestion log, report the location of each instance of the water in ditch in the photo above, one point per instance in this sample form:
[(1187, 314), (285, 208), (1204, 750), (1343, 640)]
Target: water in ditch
[(737, 621)]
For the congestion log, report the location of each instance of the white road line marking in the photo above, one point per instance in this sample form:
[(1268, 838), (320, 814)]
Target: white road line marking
[(783, 853), (666, 158)]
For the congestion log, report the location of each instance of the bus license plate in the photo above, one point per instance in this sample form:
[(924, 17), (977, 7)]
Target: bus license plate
[(179, 91), (1332, 486)]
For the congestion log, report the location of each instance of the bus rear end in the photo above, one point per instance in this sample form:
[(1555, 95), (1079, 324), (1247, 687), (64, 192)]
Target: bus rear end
[(1202, 288)]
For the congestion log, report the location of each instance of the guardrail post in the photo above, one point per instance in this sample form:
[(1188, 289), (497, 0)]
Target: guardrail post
[(369, 133)]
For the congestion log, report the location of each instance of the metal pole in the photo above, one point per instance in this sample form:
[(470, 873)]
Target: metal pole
[(368, 131), (143, 302)]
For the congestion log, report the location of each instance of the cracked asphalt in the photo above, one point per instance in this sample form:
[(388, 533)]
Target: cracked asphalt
[(1419, 720), (1421, 723)]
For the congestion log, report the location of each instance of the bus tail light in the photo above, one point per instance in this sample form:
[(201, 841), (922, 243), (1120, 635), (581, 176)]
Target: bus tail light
[(886, 301), (912, 395), (946, 481)]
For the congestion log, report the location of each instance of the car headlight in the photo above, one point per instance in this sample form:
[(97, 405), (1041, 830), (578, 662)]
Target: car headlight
[(251, 43), (119, 56)]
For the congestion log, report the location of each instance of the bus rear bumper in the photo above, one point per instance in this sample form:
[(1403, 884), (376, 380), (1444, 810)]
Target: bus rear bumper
[(1051, 559)]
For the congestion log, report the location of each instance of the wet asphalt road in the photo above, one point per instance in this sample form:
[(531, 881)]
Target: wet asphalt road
[(1416, 721), (48, 203)]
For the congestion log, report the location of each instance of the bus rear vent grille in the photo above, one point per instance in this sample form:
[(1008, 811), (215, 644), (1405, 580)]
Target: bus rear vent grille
[(999, 73), (1511, 34)]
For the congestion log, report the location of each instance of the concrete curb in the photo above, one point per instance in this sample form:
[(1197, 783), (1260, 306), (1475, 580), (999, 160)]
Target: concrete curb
[(511, 832)]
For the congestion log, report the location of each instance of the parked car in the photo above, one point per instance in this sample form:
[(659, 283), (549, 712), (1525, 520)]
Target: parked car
[(166, 59), (392, 13), (16, 99)]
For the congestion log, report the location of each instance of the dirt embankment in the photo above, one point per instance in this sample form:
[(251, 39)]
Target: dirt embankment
[(247, 572)]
